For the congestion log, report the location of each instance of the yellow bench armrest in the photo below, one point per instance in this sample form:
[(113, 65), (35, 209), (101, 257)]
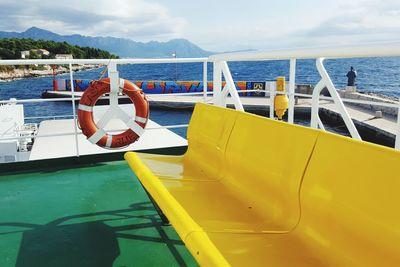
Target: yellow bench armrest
[(189, 231)]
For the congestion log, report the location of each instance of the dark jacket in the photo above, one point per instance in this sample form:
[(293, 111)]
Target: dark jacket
[(351, 77)]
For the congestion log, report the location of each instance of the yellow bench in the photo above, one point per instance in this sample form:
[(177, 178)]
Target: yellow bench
[(254, 192)]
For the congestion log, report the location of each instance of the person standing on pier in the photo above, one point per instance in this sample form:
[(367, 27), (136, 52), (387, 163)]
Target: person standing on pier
[(351, 77)]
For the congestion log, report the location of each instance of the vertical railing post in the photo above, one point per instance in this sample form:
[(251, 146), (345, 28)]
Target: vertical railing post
[(271, 100), (71, 77), (217, 83), (292, 85), (397, 143), (267, 87), (320, 124), (114, 83), (315, 104), (205, 82)]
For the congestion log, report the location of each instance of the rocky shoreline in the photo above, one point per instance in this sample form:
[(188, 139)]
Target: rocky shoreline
[(18, 73)]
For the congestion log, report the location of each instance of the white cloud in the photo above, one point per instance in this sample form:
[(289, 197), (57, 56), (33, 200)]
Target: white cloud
[(134, 19), (297, 23), (214, 25), (364, 21)]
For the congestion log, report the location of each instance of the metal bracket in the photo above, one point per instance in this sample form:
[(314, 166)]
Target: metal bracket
[(327, 82), (221, 68)]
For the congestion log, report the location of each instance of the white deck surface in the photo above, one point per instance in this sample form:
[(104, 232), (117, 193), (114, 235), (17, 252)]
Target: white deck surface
[(65, 146)]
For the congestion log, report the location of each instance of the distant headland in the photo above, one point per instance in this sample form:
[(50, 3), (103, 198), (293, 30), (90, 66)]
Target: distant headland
[(119, 46)]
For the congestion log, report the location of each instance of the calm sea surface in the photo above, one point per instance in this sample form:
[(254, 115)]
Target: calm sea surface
[(377, 75)]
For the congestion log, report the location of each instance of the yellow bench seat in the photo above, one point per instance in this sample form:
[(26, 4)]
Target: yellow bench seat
[(256, 192), (223, 209), (349, 201)]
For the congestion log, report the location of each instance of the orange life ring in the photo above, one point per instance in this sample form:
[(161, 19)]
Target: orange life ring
[(136, 124)]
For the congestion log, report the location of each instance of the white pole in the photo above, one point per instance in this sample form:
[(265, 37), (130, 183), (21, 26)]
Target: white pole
[(271, 100), (71, 77), (315, 104), (292, 84), (217, 83), (320, 124), (205, 81), (114, 83), (267, 87)]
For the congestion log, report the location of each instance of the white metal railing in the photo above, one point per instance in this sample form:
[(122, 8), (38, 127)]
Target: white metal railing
[(221, 69), (319, 54), (114, 84), (101, 61)]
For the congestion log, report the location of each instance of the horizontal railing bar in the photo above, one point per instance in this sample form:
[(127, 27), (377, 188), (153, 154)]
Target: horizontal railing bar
[(367, 50), (348, 100), (34, 100), (179, 94), (80, 133), (63, 99), (100, 61), (208, 93), (48, 117)]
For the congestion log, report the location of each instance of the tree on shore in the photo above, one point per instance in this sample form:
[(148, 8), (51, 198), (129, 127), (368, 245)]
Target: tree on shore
[(11, 49)]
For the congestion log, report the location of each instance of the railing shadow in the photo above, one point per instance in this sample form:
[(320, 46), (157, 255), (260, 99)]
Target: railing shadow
[(68, 241)]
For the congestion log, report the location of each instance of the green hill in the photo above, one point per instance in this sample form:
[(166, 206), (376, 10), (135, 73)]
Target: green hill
[(11, 49)]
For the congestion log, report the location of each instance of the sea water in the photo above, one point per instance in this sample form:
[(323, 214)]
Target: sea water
[(376, 75)]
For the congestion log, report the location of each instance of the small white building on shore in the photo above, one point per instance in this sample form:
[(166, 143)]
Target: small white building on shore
[(25, 54), (40, 52)]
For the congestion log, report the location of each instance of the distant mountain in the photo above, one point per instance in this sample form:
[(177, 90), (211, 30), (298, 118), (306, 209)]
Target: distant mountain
[(119, 46)]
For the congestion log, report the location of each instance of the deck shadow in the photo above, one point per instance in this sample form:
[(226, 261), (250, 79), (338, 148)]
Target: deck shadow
[(69, 241), (83, 244)]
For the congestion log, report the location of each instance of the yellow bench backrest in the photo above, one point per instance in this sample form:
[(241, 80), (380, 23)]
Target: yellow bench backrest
[(350, 201), (208, 133), (266, 160)]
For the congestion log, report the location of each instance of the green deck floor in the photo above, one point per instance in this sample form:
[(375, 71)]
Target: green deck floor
[(96, 215)]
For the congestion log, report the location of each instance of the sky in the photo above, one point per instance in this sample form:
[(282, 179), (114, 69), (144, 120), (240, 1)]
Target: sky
[(214, 25)]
